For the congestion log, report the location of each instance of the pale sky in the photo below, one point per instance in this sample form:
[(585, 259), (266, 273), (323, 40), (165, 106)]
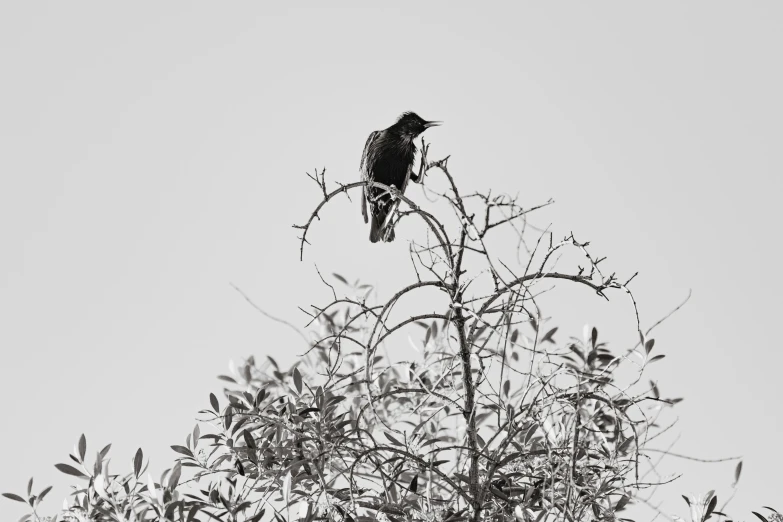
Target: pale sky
[(155, 152)]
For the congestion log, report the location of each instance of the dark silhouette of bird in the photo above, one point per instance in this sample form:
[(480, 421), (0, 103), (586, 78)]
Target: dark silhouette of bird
[(388, 158)]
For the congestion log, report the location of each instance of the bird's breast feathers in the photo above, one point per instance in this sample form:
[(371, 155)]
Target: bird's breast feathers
[(387, 158)]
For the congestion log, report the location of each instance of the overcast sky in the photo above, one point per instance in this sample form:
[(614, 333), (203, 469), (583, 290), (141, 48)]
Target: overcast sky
[(154, 152)]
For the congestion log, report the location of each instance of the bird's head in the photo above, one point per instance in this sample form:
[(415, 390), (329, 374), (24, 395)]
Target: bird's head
[(411, 124)]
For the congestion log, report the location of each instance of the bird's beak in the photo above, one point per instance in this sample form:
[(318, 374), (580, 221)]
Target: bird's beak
[(429, 124)]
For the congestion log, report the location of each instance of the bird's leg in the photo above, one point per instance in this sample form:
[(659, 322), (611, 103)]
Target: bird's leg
[(419, 178), (394, 195)]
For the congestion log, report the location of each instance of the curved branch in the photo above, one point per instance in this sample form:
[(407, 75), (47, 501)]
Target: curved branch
[(416, 459), (540, 275), (393, 191)]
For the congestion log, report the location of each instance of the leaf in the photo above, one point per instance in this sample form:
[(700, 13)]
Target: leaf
[(192, 513), (594, 336), (70, 470), (737, 473), (256, 518), (249, 441), (99, 484), (30, 486), (104, 451), (710, 508), (214, 402), (393, 440), (96, 468), (648, 346), (530, 432), (574, 348), (514, 336), (549, 335), (137, 460), (43, 493), (298, 380), (506, 387), (307, 411), (183, 450), (622, 502), (414, 484), (624, 445), (656, 358), (82, 447), (170, 509), (480, 331), (510, 457), (176, 473), (763, 519), (340, 278), (260, 396), (14, 497), (462, 477), (287, 488)]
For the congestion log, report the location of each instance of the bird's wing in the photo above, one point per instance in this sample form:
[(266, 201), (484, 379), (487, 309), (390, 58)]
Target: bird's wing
[(396, 204), (365, 153), (367, 175), (364, 205)]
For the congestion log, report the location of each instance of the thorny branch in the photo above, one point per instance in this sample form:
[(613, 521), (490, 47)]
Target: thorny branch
[(451, 374), (452, 400)]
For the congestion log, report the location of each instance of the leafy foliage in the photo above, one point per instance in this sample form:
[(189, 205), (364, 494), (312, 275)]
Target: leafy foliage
[(499, 417)]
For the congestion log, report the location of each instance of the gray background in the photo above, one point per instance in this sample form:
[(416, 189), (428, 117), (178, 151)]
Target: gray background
[(152, 153)]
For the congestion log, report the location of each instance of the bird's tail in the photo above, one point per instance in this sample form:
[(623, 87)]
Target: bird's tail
[(379, 232)]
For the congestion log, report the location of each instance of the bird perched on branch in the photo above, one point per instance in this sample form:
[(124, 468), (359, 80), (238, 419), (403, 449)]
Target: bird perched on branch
[(388, 158)]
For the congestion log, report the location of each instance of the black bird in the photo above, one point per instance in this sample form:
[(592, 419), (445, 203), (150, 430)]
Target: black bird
[(388, 158)]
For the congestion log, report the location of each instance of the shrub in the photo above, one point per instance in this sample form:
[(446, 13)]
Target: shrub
[(498, 417)]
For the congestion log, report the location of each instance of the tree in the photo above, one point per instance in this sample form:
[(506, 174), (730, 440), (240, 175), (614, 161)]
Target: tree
[(498, 418)]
